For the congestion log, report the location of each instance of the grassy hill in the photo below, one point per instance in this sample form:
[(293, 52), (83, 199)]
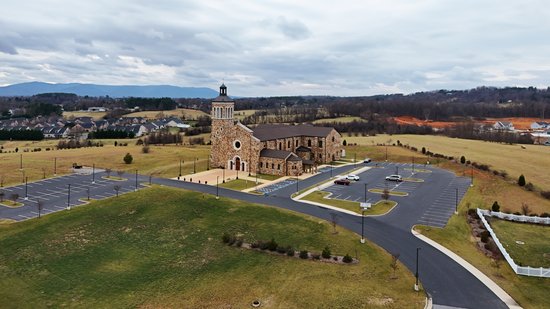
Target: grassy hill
[(162, 248), (189, 114)]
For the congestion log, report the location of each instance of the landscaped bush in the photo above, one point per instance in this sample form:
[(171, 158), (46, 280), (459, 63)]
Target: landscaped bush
[(326, 253), (495, 207), (529, 186), (316, 256), (128, 158), (290, 251), (239, 242), (281, 249), (263, 245), (485, 236), (463, 159), (545, 194), (304, 254), (255, 245), (335, 258), (517, 213), (545, 215), (521, 181), (272, 245), (347, 259)]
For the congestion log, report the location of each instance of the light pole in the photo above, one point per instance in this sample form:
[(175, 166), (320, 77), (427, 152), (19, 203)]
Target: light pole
[(195, 165), (297, 179), (365, 192), (93, 173), (456, 202), (363, 226), (22, 176), (55, 166), (386, 153), (223, 173), (397, 170), (179, 176), (355, 158), (26, 190), (413, 164), (472, 178), (69, 197), (330, 169), (21, 161), (136, 181), (416, 287), (217, 187)]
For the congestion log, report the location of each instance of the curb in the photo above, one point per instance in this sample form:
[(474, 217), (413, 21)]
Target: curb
[(488, 282)]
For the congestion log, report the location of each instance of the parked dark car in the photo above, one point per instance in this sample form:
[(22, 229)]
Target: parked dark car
[(342, 182)]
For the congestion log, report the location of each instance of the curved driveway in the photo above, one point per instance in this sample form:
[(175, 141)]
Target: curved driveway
[(446, 281)]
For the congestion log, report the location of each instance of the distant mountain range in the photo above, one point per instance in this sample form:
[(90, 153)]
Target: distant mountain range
[(153, 91)]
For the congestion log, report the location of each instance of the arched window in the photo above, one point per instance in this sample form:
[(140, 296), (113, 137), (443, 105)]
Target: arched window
[(309, 143), (280, 146)]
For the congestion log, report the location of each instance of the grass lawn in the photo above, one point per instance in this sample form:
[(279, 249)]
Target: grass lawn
[(380, 208), (10, 204), (95, 115), (395, 193), (188, 114), (241, 114), (161, 247), (320, 197), (238, 184), (535, 251), (511, 158), (268, 177), (160, 161)]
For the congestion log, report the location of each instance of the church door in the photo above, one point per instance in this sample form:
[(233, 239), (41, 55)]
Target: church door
[(238, 164)]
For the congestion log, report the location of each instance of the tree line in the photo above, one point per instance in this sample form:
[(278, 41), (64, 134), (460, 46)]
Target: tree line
[(21, 135)]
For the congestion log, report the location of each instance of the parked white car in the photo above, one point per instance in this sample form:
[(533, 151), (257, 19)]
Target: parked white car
[(367, 160), (397, 178), (352, 177)]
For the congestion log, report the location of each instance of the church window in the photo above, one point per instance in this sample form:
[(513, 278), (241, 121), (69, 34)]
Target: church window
[(237, 145), (320, 156), (280, 146), (272, 166), (288, 144), (309, 143), (333, 138), (296, 143), (278, 166), (261, 164), (320, 143)]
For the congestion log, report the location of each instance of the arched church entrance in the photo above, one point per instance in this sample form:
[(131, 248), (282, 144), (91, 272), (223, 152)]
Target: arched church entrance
[(238, 163)]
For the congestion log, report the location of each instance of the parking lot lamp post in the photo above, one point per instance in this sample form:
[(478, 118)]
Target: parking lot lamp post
[(363, 226), (93, 173), (195, 165), (416, 287), (21, 161), (217, 187), (26, 189), (179, 176), (136, 181), (397, 170), (413, 164), (456, 202), (55, 166), (297, 179), (223, 174), (472, 178), (331, 169), (69, 197), (354, 158), (365, 192), (208, 164), (386, 153), (22, 176)]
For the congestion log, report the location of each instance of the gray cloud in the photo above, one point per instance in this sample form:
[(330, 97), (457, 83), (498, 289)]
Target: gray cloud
[(279, 47)]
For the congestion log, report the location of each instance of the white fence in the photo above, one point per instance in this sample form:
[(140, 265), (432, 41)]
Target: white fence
[(520, 270)]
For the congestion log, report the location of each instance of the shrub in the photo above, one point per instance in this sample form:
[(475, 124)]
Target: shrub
[(345, 143), (529, 186), (281, 249), (225, 238), (263, 245), (545, 215), (304, 254), (145, 149), (254, 245), (496, 173), (521, 180), (326, 253), (485, 236), (347, 259), (463, 159), (423, 150), (239, 242), (272, 245), (545, 194), (128, 158), (316, 256), (290, 251), (495, 207), (468, 162), (335, 258), (504, 174), (139, 142), (517, 213), (386, 194)]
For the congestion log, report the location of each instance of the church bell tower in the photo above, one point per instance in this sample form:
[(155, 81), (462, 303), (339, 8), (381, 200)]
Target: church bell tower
[(222, 126)]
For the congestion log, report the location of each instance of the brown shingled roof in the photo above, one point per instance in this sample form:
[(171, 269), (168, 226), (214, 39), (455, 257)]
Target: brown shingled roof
[(267, 132)]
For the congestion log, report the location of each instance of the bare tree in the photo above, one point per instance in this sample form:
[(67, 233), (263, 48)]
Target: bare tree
[(14, 197), (108, 172), (43, 173), (334, 221), (386, 194), (394, 265), (2, 180), (117, 188), (525, 209)]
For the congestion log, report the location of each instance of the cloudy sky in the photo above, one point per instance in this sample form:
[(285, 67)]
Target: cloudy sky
[(264, 48)]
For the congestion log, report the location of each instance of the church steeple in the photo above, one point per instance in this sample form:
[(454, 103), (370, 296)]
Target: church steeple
[(223, 90)]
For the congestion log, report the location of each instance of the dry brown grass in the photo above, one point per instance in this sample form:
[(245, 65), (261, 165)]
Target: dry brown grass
[(531, 161), (160, 161), (95, 115), (189, 114)]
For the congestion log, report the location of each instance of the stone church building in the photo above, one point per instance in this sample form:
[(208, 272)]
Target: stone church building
[(275, 149)]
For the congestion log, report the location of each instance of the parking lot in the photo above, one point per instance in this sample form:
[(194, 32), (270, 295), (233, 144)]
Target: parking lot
[(431, 198), (60, 193), (277, 186)]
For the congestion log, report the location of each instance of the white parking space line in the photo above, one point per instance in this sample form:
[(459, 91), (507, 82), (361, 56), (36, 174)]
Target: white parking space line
[(6, 189), (59, 207)]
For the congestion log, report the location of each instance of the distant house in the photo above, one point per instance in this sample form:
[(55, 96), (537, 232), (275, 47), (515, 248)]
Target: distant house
[(176, 123), (503, 126), (96, 109), (79, 120), (540, 125)]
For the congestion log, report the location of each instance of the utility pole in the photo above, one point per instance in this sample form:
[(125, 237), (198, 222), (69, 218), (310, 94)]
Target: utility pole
[(55, 166), (179, 176), (472, 178), (21, 161), (26, 189), (365, 192), (195, 166), (386, 153), (456, 202), (297, 179), (413, 164)]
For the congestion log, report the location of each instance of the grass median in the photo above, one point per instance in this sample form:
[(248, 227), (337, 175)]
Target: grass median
[(161, 247), (378, 208)]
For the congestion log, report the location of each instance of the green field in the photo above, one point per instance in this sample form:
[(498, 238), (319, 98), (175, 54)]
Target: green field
[(535, 251), (512, 158), (238, 184), (161, 248)]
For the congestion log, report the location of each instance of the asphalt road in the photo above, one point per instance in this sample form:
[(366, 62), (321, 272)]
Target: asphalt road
[(447, 282)]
